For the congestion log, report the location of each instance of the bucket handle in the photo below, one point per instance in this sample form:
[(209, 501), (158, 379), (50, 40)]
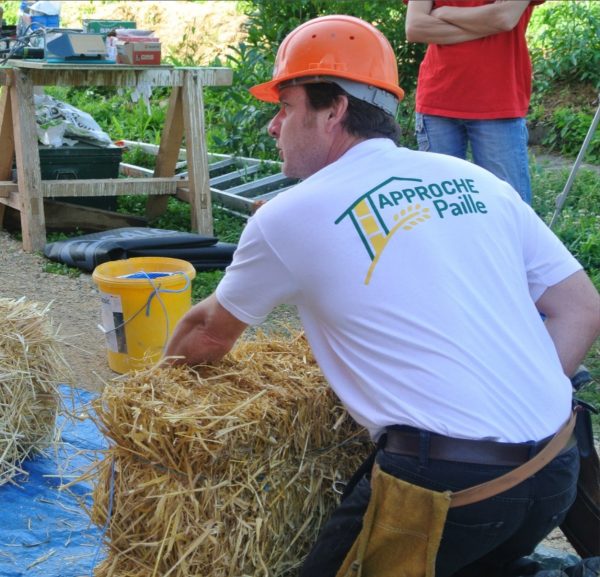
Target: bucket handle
[(157, 290)]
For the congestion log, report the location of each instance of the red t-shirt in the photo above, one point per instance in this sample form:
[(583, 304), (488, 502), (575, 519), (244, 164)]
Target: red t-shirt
[(479, 79)]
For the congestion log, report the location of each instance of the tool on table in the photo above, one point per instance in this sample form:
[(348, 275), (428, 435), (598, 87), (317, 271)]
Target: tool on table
[(76, 47)]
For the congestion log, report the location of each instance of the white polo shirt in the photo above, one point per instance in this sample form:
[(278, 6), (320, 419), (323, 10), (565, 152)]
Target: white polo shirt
[(415, 276)]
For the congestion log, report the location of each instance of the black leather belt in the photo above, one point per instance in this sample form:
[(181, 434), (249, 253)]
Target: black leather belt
[(415, 443)]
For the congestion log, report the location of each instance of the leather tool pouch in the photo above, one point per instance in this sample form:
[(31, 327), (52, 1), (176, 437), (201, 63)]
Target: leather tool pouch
[(582, 524), (402, 528), (403, 523)]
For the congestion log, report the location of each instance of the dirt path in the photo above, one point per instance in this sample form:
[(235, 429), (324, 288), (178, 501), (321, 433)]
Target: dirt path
[(74, 307)]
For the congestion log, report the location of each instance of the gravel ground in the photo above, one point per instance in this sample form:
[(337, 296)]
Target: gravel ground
[(74, 308)]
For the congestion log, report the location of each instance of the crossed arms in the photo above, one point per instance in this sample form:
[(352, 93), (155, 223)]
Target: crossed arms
[(453, 24)]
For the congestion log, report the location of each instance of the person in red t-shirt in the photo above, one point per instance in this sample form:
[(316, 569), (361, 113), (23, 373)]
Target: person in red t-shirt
[(474, 83)]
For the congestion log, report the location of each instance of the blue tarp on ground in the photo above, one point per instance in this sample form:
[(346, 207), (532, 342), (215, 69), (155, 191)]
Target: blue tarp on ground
[(45, 531)]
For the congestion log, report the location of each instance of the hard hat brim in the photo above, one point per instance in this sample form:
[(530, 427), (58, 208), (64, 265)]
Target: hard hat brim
[(269, 92)]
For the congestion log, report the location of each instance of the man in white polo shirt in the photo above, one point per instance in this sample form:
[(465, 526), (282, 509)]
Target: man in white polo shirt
[(419, 279)]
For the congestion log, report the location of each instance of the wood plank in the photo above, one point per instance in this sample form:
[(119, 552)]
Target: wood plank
[(48, 74), (23, 75), (13, 200), (109, 187), (28, 163), (7, 142), (7, 139), (88, 65), (197, 154), (6, 187), (168, 152), (66, 217)]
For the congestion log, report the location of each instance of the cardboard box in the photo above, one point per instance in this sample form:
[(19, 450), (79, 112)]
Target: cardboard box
[(105, 26), (139, 53)]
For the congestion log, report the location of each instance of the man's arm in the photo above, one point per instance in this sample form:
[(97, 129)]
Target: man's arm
[(572, 310), (501, 16), (206, 333), (453, 24)]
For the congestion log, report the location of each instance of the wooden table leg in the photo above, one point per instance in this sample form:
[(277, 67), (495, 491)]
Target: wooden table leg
[(33, 226), (7, 142), (197, 154), (168, 152)]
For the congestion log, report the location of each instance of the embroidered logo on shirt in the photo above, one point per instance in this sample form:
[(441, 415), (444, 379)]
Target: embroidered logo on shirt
[(373, 219)]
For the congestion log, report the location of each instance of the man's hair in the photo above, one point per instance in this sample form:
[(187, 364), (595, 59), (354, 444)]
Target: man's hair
[(362, 119)]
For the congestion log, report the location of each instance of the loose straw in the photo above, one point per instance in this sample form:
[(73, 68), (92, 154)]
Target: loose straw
[(31, 368)]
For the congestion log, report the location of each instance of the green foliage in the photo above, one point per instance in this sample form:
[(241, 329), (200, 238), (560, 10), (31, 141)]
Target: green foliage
[(568, 132), (132, 204), (205, 284), (139, 157), (61, 269), (564, 41), (226, 227), (578, 224), (11, 12), (117, 113), (238, 121), (269, 22)]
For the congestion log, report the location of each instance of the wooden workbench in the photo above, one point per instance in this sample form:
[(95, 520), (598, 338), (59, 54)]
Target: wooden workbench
[(185, 117)]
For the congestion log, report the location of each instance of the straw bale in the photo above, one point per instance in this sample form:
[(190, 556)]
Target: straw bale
[(31, 367), (223, 471)]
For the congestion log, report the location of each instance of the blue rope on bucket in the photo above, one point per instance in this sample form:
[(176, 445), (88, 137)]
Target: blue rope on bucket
[(157, 290)]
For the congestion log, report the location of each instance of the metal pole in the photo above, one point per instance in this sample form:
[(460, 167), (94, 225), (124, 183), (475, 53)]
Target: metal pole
[(560, 199)]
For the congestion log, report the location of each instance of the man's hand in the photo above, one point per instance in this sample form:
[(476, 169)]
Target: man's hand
[(206, 333)]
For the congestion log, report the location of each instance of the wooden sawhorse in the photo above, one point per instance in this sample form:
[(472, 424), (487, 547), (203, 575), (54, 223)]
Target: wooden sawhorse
[(185, 118)]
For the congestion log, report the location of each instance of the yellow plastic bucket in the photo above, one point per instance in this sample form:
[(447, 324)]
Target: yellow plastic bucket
[(142, 299)]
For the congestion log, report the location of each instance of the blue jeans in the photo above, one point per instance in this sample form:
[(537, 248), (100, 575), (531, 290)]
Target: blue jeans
[(481, 539), (499, 146)]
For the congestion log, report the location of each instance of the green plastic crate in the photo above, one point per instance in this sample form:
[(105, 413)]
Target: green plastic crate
[(81, 162)]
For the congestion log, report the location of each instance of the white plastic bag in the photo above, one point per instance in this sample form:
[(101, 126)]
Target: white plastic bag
[(79, 125)]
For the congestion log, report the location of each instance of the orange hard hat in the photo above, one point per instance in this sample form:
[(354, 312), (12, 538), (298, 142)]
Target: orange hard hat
[(336, 48)]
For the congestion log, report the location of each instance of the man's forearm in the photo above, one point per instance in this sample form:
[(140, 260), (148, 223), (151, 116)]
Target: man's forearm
[(454, 24), (485, 20), (422, 26)]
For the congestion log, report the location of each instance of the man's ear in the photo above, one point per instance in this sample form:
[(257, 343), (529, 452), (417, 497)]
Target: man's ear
[(337, 111)]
